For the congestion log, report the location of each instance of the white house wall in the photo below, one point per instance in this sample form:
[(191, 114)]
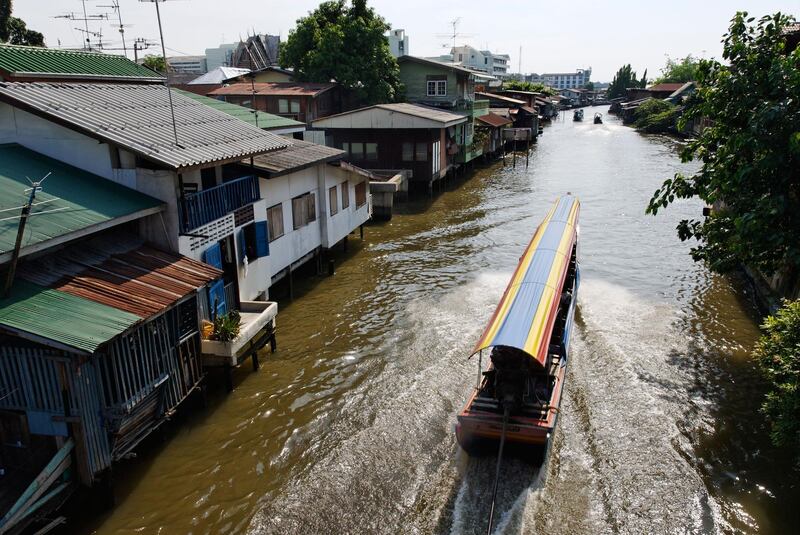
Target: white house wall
[(345, 220)]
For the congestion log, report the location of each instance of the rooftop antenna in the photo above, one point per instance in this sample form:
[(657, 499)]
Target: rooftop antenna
[(87, 45), (166, 67), (23, 218), (454, 34), (115, 6)]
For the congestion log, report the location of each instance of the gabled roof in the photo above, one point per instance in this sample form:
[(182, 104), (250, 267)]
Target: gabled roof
[(218, 75), (494, 120), (434, 64), (392, 116), (669, 86), (299, 155), (137, 117), (288, 89), (263, 120), (29, 61), (271, 68), (72, 202)]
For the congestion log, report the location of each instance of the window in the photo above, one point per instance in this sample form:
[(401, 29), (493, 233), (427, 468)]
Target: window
[(408, 152), (294, 106), (437, 88), (254, 241), (421, 154), (333, 201), (304, 210), (437, 156), (361, 194), (345, 195), (275, 221), (283, 105), (372, 151), (346, 147), (357, 151), (470, 130)]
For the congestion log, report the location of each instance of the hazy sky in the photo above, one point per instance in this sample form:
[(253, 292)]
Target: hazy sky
[(554, 36)]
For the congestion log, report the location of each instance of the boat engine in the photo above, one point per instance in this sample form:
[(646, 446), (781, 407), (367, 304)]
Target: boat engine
[(510, 374)]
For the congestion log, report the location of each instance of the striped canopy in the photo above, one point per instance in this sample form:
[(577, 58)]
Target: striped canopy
[(525, 315)]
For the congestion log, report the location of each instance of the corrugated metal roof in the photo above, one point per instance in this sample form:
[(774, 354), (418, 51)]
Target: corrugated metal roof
[(299, 155), (494, 120), (121, 272), (435, 117), (264, 120), (62, 318), (72, 200), (501, 98), (69, 64), (137, 117), (218, 75), (289, 89), (667, 86)]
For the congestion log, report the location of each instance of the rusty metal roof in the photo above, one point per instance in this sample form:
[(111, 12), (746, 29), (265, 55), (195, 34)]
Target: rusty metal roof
[(494, 120), (299, 155), (501, 98), (282, 89), (667, 86), (137, 117), (121, 272)]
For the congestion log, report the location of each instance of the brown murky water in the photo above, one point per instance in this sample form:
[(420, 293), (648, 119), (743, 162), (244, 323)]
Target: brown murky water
[(348, 428)]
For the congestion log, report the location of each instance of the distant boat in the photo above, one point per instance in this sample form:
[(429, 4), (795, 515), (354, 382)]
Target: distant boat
[(577, 115), (598, 118)]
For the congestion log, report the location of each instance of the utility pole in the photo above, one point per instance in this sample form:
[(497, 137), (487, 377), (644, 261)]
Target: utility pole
[(139, 44), (23, 218)]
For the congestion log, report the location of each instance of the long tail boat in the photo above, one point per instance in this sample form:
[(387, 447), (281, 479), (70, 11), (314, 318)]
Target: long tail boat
[(527, 341)]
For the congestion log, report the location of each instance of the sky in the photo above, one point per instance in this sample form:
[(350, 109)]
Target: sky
[(552, 36)]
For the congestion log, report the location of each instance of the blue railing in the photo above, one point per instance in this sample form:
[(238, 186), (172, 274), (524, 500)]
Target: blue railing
[(210, 204)]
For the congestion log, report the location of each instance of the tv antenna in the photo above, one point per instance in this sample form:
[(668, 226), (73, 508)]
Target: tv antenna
[(87, 45), (166, 67), (114, 6), (454, 34)]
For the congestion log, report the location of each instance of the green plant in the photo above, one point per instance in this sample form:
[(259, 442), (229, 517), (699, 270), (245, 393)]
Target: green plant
[(682, 70), (14, 30), (516, 85), (346, 44), (625, 78), (226, 326), (778, 354), (155, 63), (656, 116), (749, 154)]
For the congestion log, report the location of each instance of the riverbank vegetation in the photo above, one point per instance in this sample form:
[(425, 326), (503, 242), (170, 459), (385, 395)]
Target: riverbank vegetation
[(656, 116), (750, 174), (679, 71), (625, 78), (516, 85)]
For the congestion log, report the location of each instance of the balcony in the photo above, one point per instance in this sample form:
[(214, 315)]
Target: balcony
[(202, 207)]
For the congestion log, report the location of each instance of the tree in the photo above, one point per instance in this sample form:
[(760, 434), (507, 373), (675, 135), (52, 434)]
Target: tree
[(625, 78), (750, 154), (589, 86), (682, 70), (778, 356), (516, 85), (14, 30), (345, 44), (155, 63)]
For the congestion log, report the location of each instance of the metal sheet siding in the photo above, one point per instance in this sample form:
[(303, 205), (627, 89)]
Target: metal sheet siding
[(137, 117), (263, 120), (85, 397)]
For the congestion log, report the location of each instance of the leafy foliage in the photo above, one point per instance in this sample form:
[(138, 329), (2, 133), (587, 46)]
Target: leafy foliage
[(516, 85), (625, 78), (750, 154), (14, 30), (778, 354), (682, 70), (656, 116), (155, 63), (227, 326), (589, 86), (345, 44)]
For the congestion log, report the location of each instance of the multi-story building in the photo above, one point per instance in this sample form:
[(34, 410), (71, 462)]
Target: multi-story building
[(567, 80), (398, 43), (188, 64), (481, 60)]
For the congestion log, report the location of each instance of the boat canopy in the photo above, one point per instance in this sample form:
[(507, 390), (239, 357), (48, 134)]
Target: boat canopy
[(525, 315)]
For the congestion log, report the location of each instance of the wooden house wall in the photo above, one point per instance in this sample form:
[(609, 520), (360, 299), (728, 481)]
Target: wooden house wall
[(310, 108), (390, 149), (414, 77)]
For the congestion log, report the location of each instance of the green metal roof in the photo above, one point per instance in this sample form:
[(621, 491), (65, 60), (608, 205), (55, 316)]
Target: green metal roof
[(266, 121), (38, 313), (41, 62), (72, 200)]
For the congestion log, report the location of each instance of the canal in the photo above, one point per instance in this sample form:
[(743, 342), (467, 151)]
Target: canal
[(348, 427)]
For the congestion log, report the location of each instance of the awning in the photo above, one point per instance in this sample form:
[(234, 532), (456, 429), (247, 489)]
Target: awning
[(525, 315)]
